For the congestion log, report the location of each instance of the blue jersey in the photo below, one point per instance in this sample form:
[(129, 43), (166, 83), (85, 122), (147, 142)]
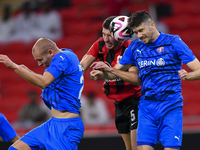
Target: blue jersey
[(158, 64), (65, 91)]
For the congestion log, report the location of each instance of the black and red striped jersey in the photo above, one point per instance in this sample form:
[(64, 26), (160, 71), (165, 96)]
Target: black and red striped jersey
[(116, 89)]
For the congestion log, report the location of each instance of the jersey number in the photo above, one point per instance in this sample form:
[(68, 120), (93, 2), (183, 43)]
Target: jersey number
[(81, 90), (132, 115)]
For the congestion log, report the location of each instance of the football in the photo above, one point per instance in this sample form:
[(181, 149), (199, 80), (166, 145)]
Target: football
[(119, 29)]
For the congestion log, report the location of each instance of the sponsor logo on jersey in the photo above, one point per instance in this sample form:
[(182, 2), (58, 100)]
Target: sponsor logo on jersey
[(62, 57), (158, 62), (140, 51)]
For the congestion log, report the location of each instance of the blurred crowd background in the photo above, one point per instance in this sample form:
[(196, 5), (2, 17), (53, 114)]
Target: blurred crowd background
[(76, 24)]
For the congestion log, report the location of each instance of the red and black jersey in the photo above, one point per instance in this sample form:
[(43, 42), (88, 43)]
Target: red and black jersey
[(116, 89)]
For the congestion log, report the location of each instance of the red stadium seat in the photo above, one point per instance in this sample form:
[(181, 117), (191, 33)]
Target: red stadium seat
[(70, 14), (189, 7), (15, 47)]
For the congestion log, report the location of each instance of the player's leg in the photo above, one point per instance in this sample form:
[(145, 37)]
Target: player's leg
[(170, 149), (126, 122), (171, 133), (20, 145), (130, 140), (127, 140), (122, 125), (147, 131), (130, 110), (134, 139), (145, 147), (7, 132)]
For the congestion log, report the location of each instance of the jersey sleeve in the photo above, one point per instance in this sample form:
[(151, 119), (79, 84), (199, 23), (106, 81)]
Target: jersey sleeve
[(94, 50), (183, 51), (128, 58), (58, 65)]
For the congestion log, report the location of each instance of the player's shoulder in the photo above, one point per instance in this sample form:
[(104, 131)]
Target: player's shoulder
[(100, 41), (135, 43), (65, 54), (170, 38)]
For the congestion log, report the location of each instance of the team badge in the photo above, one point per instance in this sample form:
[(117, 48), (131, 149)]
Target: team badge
[(160, 49)]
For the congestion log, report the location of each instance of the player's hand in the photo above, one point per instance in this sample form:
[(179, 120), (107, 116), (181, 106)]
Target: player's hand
[(6, 60), (100, 66), (183, 74), (23, 66), (96, 74)]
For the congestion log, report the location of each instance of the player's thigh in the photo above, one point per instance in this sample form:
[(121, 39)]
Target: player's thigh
[(121, 121), (20, 145), (171, 133), (126, 115), (170, 149), (147, 131), (145, 147)]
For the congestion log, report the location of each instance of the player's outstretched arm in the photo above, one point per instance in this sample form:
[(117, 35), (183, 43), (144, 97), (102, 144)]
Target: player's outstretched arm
[(107, 72), (38, 80)]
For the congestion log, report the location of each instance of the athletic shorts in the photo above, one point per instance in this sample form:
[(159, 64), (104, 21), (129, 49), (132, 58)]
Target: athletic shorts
[(126, 115), (160, 121), (56, 134), (6, 130)]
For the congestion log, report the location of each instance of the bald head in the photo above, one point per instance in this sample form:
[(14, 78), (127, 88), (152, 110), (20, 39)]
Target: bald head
[(44, 50), (43, 45)]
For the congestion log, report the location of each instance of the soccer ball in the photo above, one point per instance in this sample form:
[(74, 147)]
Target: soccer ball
[(119, 29)]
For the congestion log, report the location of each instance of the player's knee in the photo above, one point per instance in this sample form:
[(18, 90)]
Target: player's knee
[(12, 148)]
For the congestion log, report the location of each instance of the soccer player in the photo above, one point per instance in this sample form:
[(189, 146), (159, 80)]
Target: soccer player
[(62, 85), (125, 95), (7, 132), (158, 58)]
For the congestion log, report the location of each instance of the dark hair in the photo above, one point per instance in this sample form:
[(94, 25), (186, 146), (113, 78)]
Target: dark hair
[(107, 21), (136, 19)]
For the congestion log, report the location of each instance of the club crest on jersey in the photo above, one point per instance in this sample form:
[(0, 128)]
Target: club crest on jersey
[(160, 49)]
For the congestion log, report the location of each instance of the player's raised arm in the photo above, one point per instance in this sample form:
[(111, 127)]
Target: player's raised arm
[(36, 79)]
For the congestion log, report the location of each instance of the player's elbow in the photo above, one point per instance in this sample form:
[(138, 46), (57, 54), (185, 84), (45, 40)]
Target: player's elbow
[(135, 81), (43, 85)]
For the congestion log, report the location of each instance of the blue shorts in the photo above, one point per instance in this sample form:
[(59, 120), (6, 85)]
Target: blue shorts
[(56, 133), (6, 130), (160, 121)]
